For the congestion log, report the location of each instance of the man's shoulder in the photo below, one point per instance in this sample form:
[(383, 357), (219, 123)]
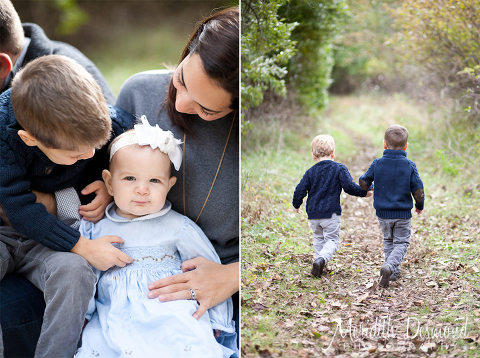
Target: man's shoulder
[(41, 45)]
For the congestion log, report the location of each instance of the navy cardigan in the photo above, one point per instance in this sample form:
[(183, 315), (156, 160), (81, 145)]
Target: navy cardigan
[(396, 180), (324, 183), (24, 168)]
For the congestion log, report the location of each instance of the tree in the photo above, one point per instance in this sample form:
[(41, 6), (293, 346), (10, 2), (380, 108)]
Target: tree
[(266, 48), (287, 43), (442, 36), (309, 70)]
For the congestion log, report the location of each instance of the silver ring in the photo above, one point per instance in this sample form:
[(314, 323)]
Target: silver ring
[(194, 296)]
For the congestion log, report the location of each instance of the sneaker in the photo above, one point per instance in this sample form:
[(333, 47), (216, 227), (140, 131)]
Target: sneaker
[(395, 277), (318, 266), (385, 276)]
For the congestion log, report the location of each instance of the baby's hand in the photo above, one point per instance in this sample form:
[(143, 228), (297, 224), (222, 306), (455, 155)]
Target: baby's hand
[(418, 211), (369, 193), (94, 211), (298, 210)]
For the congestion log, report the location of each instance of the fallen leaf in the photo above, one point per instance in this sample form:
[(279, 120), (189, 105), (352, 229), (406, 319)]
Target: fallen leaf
[(431, 283), (362, 297), (336, 304), (303, 353), (322, 328), (277, 250), (472, 338), (428, 346), (472, 270), (259, 307), (265, 353), (289, 323)]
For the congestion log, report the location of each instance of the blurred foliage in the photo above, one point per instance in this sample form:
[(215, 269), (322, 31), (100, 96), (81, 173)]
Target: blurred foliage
[(266, 48), (309, 70), (363, 51), (71, 17), (442, 37), (287, 43)]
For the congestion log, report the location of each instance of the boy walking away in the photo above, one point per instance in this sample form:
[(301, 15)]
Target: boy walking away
[(53, 122), (324, 183), (396, 180)]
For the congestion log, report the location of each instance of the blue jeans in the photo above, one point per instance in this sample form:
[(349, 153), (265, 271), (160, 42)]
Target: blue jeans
[(21, 315)]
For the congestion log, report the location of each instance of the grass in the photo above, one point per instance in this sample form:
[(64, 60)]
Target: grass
[(288, 313)]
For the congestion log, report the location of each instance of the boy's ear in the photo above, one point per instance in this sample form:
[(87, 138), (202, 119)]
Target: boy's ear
[(107, 178), (171, 182), (6, 65), (406, 146), (27, 138), (384, 144)]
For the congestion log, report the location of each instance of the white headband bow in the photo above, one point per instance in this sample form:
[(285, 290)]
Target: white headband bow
[(155, 137)]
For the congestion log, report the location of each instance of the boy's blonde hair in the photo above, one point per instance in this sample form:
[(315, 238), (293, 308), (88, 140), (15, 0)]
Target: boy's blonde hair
[(323, 145), (60, 104), (396, 137), (12, 38)]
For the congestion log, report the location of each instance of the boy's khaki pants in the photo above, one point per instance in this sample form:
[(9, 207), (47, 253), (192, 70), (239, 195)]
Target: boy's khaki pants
[(326, 236)]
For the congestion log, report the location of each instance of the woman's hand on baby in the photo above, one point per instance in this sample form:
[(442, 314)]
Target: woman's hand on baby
[(94, 211), (213, 283), (100, 253)]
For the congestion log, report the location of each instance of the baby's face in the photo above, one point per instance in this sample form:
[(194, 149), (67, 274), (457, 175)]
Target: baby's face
[(140, 180)]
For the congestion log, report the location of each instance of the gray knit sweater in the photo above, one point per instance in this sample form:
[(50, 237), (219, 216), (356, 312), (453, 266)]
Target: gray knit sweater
[(143, 94)]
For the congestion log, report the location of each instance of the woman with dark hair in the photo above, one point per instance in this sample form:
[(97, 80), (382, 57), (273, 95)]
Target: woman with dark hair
[(199, 103)]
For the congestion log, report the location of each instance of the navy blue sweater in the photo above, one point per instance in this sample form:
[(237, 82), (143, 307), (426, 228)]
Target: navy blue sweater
[(396, 180), (323, 183), (24, 168)]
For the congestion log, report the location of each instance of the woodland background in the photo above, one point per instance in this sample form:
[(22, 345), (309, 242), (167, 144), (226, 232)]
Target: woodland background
[(122, 37)]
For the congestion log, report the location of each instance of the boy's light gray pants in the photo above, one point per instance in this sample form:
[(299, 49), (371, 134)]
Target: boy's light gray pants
[(396, 239), (326, 236), (67, 282)]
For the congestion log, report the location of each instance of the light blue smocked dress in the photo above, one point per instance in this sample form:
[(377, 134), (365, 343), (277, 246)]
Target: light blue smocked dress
[(124, 322)]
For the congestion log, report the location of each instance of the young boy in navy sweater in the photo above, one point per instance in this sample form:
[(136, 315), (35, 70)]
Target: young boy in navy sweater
[(324, 183), (54, 127), (396, 180)]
